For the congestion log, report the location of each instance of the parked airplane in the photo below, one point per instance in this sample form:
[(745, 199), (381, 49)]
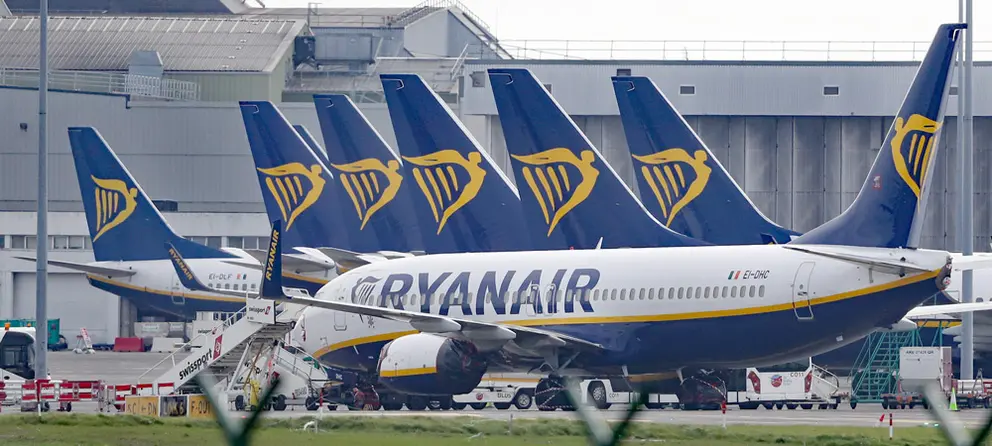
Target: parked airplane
[(128, 234), (859, 271), (572, 191), (471, 206), (710, 205), (680, 180)]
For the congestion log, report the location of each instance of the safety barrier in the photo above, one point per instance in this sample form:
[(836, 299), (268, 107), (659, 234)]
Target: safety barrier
[(156, 400), (30, 393)]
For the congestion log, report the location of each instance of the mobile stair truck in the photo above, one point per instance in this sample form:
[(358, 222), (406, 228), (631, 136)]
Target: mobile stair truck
[(230, 352)]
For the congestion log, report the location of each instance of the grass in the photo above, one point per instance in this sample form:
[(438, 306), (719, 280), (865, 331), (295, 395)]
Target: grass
[(82, 429)]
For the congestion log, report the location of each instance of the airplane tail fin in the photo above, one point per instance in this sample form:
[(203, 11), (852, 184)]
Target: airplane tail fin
[(888, 211), (377, 199), (464, 202), (311, 143), (570, 188), (124, 224), (294, 181), (680, 181)]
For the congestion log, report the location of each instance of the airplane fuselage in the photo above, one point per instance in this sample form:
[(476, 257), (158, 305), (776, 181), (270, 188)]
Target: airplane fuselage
[(653, 309), (155, 285)]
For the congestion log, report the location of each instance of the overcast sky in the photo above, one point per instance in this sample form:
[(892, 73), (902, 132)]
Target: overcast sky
[(899, 20)]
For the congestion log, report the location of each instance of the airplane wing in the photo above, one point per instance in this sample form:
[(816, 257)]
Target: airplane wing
[(895, 266), (86, 268), (482, 333), (299, 263), (946, 309)]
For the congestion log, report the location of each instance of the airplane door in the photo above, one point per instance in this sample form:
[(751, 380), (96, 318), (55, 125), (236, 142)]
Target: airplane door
[(800, 292), (340, 320), (532, 301), (177, 291), (550, 300)]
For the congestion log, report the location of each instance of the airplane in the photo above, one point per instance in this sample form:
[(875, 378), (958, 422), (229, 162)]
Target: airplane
[(573, 192), (128, 232), (860, 271), (709, 206), (372, 183), (461, 195), (680, 181)]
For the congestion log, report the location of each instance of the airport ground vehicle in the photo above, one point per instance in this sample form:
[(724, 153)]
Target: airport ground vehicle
[(17, 353)]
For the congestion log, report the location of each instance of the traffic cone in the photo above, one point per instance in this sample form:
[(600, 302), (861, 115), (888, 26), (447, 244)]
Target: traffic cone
[(954, 400)]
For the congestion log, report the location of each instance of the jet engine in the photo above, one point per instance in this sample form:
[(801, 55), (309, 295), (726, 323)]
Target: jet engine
[(426, 364)]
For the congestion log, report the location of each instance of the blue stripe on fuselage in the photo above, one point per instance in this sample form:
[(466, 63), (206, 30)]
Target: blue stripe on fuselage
[(738, 341)]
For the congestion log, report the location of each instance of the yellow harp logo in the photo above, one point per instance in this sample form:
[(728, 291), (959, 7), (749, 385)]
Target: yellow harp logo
[(911, 147), (370, 184), (557, 190), (294, 187), (115, 202), (448, 181), (675, 178)]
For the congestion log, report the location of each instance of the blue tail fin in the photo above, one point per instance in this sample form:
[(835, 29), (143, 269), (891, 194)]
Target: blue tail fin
[(464, 202), (570, 189), (294, 182), (378, 201), (124, 224), (680, 181), (312, 143), (888, 212)]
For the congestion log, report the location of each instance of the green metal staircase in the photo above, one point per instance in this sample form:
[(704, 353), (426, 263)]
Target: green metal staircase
[(876, 369)]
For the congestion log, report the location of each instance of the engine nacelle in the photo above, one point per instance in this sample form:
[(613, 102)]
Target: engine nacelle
[(426, 364)]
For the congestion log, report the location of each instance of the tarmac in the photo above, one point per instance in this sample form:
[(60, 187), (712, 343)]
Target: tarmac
[(126, 368)]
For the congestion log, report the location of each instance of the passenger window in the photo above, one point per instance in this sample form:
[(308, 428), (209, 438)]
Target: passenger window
[(671, 293), (752, 291), (650, 294), (623, 293), (613, 294), (595, 294), (227, 286), (724, 291), (244, 287), (681, 290), (698, 292), (641, 294), (761, 291), (706, 294), (253, 286), (743, 291)]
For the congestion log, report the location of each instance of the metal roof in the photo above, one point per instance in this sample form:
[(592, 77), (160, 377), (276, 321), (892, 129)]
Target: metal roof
[(185, 44), (332, 17), (127, 6)]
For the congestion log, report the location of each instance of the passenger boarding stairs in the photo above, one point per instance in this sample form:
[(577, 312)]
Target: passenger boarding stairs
[(825, 385), (876, 369), (223, 351)]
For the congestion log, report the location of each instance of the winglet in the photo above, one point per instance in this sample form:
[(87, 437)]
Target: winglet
[(272, 274), (185, 273)]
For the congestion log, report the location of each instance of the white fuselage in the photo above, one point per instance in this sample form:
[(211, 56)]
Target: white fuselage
[(653, 309), (155, 284)]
